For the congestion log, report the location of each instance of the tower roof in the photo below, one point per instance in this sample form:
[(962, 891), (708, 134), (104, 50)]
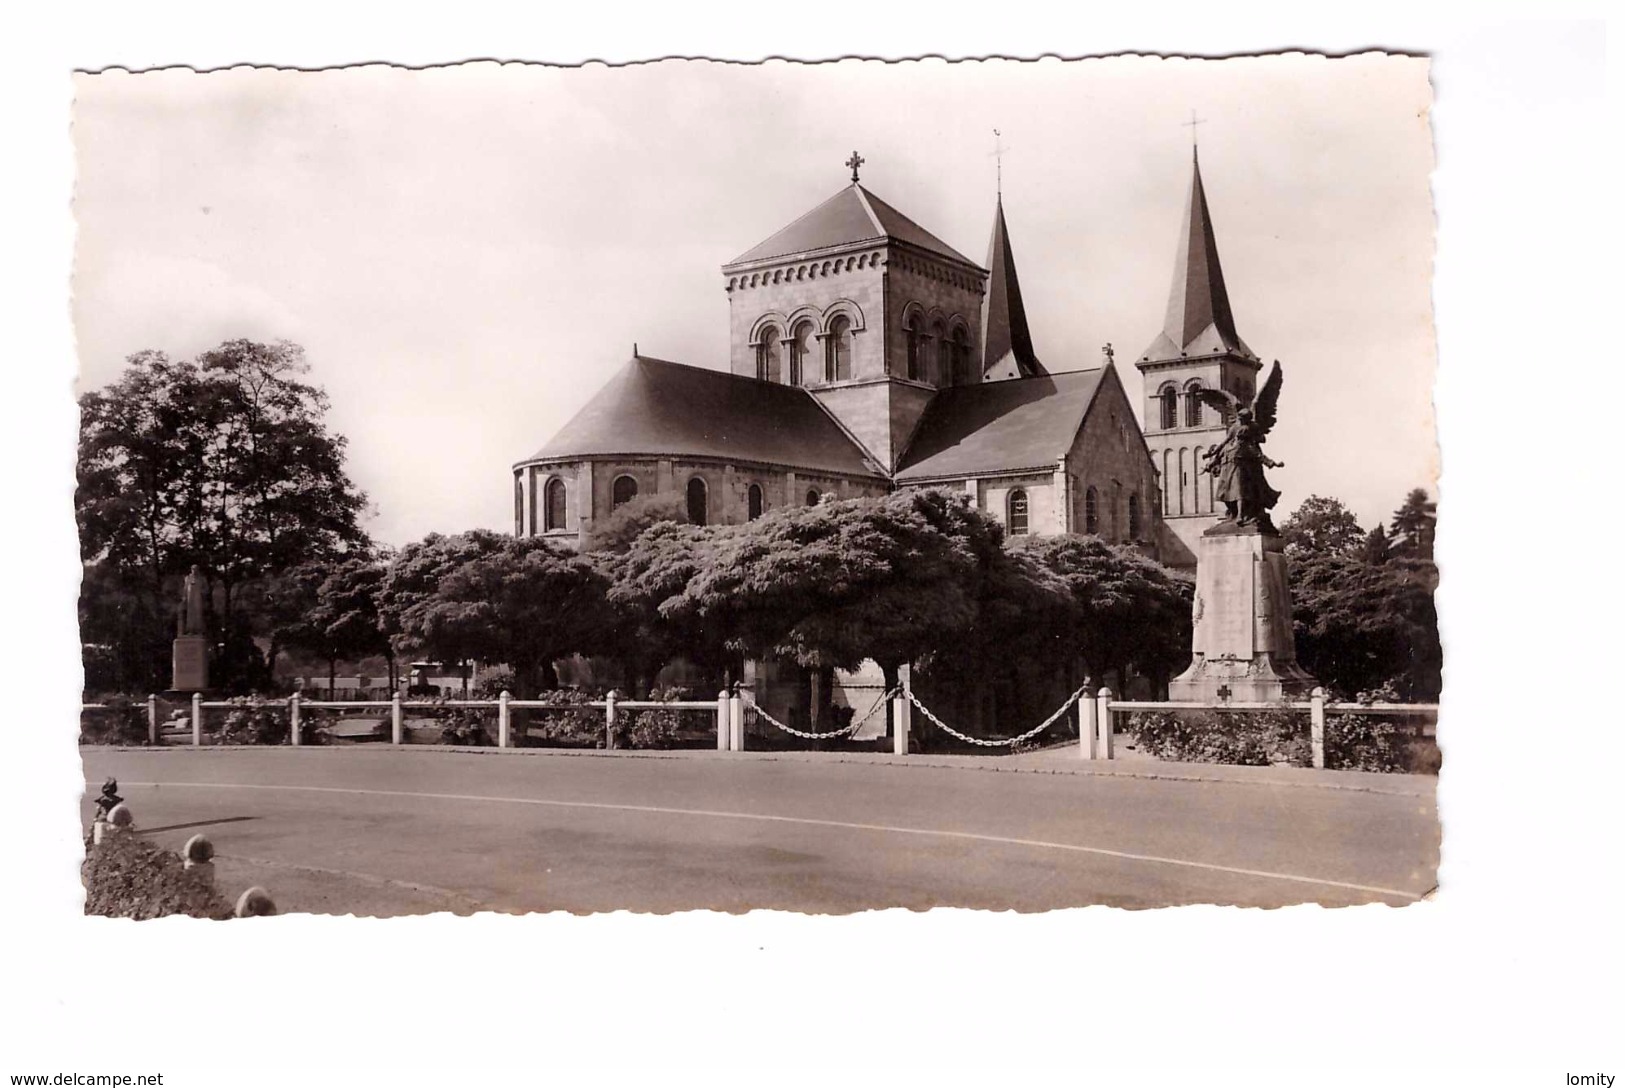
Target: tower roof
[(1199, 321), (1007, 344), (852, 215)]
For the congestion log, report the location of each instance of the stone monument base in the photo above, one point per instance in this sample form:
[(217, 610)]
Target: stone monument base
[(1241, 642), (190, 663)]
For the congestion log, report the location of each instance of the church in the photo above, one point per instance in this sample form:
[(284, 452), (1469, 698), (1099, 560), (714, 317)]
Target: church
[(866, 354)]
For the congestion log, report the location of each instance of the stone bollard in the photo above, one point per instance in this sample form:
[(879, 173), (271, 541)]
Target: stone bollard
[(1103, 724), (736, 722), (119, 818), (900, 724), (254, 903), (294, 725), (1088, 725), (396, 722), (609, 721), (152, 719), (502, 719), (723, 741), (198, 855), (197, 719), (1317, 728)]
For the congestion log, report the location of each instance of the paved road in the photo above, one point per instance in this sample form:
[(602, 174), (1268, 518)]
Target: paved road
[(393, 831)]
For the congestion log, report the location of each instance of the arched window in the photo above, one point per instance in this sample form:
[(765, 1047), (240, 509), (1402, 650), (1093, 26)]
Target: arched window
[(911, 330), (945, 358), (964, 374), (1016, 519), (838, 350), (1133, 517), (1184, 480), (553, 516), (1091, 511), (623, 490), (1170, 407), (753, 502), (767, 355), (696, 501), (1193, 405), (800, 344), (812, 496)]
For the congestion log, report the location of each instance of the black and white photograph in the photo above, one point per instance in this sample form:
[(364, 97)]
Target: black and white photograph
[(573, 562)]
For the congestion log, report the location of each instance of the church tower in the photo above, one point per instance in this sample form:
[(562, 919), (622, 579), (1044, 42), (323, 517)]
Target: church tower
[(1198, 347), (1007, 344)]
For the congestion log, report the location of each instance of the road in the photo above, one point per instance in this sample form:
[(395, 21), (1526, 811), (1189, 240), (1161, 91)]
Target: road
[(376, 830)]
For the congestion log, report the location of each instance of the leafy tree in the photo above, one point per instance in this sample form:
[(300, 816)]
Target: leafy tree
[(627, 522), (1359, 624), (1321, 526), (1414, 524), (655, 567), (1376, 548), (340, 617)]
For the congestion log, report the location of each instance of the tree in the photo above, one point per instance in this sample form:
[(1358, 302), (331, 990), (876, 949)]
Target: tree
[(1358, 624), (1376, 548), (1321, 526), (224, 462), (414, 576), (627, 522), (339, 619), (655, 567), (1414, 524)]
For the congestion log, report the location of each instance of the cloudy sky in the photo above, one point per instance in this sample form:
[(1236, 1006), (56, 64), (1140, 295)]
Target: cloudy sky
[(468, 253)]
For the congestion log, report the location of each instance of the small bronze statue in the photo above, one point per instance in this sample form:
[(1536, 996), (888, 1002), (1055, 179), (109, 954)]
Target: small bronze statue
[(109, 798), (1238, 462)]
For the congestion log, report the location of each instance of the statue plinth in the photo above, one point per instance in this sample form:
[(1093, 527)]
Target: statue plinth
[(1241, 640), (190, 663)]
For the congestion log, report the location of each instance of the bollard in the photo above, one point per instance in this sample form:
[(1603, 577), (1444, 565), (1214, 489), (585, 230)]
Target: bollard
[(198, 854), (609, 721), (1317, 728), (254, 903), (736, 722), (197, 719), (293, 721), (152, 719), (396, 723), (1103, 724), (724, 741), (502, 719), (1088, 725), (899, 724), (119, 818)]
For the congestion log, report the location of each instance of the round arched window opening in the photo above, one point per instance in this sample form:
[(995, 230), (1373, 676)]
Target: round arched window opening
[(767, 355), (1091, 511), (622, 491), (1133, 517), (1170, 407), (696, 501), (553, 515), (813, 496), (838, 349), (800, 345), (753, 502), (1016, 518)]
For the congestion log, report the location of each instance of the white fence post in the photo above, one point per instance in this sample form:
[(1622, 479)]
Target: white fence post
[(294, 726), (152, 719), (609, 721), (900, 713), (502, 719), (1317, 728), (724, 717), (1088, 716), (397, 724), (736, 722), (197, 719), (1103, 723)]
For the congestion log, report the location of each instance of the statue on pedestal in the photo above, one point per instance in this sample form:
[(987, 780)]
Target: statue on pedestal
[(190, 668), (191, 617), (1238, 462)]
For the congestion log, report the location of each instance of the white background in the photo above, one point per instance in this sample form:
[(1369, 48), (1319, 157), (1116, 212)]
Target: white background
[(1511, 974)]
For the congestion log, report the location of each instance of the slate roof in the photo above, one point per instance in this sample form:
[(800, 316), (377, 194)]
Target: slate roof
[(1199, 321), (652, 407), (852, 215), (1007, 343), (999, 426)]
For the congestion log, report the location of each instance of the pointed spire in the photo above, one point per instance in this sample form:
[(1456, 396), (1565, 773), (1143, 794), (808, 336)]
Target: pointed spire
[(1007, 345), (1199, 321)]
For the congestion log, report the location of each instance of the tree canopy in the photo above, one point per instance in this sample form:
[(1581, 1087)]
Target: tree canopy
[(1321, 526)]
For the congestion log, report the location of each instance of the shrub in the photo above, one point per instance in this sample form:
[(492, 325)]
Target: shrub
[(1248, 738), (1364, 742), (128, 877), (248, 721), (123, 721), (579, 727), (652, 728), (464, 725)]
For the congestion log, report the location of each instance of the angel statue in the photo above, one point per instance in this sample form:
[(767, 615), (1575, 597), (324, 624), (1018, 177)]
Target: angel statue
[(1238, 462)]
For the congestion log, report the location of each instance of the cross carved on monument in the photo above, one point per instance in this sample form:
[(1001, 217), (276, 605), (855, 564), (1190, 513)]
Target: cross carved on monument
[(1223, 692), (854, 162)]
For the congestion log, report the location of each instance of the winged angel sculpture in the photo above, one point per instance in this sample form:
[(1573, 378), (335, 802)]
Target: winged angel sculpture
[(1238, 462)]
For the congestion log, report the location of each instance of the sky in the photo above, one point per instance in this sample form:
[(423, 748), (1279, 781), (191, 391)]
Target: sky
[(468, 253)]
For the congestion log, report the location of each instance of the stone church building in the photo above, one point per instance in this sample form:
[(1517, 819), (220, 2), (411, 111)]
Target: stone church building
[(866, 354)]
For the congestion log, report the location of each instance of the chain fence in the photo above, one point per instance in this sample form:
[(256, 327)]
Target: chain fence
[(1002, 742), (845, 730)]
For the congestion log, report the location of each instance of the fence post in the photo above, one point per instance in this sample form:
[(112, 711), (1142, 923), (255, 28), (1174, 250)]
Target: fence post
[(1103, 724), (900, 721), (736, 722), (609, 720), (502, 719), (295, 727), (197, 719), (1317, 728), (1088, 717), (396, 722), (724, 716), (152, 719)]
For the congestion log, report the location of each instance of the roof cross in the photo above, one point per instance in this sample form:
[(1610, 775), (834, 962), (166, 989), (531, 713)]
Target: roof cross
[(854, 162), (998, 163), (1191, 124)]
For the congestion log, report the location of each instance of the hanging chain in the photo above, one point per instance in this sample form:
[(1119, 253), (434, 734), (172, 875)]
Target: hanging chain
[(841, 732), (1031, 733)]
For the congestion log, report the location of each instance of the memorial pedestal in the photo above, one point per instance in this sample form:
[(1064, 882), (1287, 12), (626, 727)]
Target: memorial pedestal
[(1241, 642), (190, 663)]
